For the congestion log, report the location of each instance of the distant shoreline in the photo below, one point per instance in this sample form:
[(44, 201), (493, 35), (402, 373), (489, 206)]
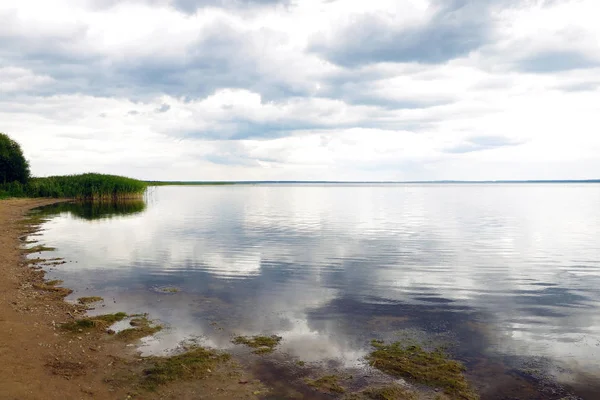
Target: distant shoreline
[(215, 183)]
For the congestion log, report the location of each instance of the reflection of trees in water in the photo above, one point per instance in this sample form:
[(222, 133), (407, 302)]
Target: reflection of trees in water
[(91, 210)]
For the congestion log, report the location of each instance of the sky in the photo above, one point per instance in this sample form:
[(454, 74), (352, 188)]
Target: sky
[(304, 90)]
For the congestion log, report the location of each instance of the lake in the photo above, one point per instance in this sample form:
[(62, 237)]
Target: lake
[(507, 276)]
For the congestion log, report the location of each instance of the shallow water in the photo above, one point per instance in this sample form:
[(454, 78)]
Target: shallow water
[(507, 275)]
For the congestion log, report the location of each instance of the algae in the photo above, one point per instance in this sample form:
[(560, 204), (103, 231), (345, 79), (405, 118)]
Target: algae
[(432, 368), (195, 363), (392, 392), (98, 322), (89, 300), (327, 383), (262, 344), (142, 327), (51, 287), (37, 249)]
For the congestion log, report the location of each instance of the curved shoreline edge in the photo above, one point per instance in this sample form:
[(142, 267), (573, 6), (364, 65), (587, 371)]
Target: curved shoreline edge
[(38, 360)]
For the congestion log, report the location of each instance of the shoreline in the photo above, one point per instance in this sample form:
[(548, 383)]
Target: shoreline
[(39, 360)]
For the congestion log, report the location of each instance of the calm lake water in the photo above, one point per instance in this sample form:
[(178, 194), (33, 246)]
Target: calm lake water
[(507, 275)]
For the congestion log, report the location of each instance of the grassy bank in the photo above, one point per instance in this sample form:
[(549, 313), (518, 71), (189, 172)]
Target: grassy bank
[(85, 187)]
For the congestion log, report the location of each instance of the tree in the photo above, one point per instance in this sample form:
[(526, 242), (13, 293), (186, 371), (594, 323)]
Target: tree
[(13, 165)]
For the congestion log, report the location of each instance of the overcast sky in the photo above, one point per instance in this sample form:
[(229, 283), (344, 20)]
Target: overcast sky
[(304, 89)]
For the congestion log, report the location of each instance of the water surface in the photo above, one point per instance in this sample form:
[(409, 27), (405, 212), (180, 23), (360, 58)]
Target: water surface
[(507, 274)]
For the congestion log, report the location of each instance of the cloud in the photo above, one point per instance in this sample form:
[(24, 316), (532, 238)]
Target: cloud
[(479, 143), (452, 30), (191, 6), (163, 108), (15, 79), (556, 61)]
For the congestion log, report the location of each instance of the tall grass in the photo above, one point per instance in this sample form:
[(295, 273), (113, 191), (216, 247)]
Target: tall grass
[(83, 187)]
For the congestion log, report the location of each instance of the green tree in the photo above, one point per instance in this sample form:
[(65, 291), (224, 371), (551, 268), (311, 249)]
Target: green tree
[(13, 165)]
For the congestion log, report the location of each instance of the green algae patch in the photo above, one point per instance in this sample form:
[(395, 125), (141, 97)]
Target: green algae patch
[(141, 327), (392, 392), (97, 322), (262, 344), (327, 384), (167, 289), (89, 300), (51, 286), (37, 249), (196, 363), (432, 368)]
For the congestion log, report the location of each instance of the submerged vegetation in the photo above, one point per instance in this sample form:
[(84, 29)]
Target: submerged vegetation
[(195, 363), (52, 286), (392, 392), (262, 344), (141, 327), (327, 384), (97, 322), (89, 300), (432, 368), (38, 249)]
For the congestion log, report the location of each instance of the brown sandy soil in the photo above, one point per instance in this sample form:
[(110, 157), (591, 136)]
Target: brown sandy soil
[(38, 360)]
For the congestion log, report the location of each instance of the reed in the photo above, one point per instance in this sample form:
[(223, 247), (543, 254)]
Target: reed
[(89, 186)]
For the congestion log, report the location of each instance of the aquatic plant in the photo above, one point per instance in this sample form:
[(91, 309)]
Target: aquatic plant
[(193, 364), (432, 368), (89, 300), (98, 322), (38, 249), (262, 344), (328, 384), (52, 287), (392, 392), (142, 327)]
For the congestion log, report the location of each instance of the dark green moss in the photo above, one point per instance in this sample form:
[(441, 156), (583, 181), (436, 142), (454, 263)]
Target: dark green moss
[(328, 384), (262, 344), (432, 368)]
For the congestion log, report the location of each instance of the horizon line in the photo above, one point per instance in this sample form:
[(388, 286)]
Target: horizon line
[(383, 182)]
